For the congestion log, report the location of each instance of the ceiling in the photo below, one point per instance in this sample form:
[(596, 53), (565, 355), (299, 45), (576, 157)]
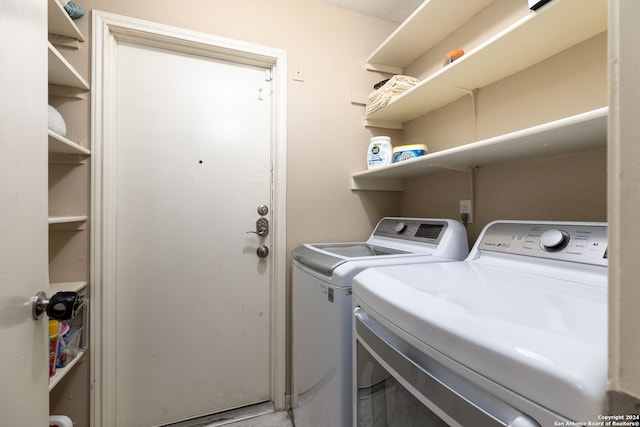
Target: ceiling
[(392, 10)]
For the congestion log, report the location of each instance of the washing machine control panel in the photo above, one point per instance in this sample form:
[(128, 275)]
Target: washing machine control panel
[(426, 231), (577, 242)]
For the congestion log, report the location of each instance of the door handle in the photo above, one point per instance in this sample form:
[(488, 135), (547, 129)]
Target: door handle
[(262, 227)]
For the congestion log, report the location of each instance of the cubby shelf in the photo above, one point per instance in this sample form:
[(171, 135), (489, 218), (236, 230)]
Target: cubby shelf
[(61, 25), (62, 73), (65, 81), (576, 133), (62, 372), (61, 145)]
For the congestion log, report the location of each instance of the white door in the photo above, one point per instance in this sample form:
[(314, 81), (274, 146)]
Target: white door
[(24, 396), (193, 164)]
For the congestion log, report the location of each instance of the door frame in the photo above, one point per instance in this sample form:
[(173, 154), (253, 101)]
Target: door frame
[(108, 31)]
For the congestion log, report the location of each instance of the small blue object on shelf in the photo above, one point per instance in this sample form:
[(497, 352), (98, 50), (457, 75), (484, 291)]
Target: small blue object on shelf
[(407, 152), (74, 10)]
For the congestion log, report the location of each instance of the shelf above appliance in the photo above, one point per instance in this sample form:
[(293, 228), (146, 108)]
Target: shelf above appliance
[(576, 133), (541, 34)]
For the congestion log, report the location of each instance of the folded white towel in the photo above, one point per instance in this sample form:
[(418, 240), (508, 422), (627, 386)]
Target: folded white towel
[(395, 87), (56, 122)]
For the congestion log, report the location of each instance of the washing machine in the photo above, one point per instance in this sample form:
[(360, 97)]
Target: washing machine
[(322, 307), (515, 335)]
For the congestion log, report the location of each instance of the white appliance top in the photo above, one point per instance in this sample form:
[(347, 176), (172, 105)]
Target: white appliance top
[(527, 309), (392, 239)]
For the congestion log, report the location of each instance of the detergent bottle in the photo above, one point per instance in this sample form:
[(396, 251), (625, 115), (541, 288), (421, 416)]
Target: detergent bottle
[(380, 152)]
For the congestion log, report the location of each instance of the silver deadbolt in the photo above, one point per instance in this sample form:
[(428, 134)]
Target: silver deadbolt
[(262, 251), (263, 210)]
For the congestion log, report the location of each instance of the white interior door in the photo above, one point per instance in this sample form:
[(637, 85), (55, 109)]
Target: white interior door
[(24, 373), (192, 164)]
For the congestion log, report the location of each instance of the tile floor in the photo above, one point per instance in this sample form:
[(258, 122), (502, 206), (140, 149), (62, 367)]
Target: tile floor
[(275, 419), (260, 415)]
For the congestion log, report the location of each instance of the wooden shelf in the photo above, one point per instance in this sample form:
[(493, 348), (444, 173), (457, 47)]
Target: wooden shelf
[(62, 372), (67, 286), (68, 223), (428, 25), (61, 72), (541, 34), (576, 133), (61, 26), (62, 145), (67, 219)]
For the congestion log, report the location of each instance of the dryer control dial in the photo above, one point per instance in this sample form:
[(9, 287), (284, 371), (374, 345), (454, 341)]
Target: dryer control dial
[(401, 227), (554, 240)]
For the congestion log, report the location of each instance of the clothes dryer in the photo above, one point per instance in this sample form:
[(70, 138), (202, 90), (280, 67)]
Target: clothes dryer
[(515, 335), (322, 307)]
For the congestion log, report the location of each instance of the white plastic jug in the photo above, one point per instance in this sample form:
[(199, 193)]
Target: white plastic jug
[(380, 152)]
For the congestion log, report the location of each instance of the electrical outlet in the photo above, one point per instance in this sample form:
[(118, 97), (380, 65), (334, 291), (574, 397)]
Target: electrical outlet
[(466, 212)]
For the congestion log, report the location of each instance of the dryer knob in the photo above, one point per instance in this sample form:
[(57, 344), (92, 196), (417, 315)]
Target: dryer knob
[(400, 227), (554, 240)]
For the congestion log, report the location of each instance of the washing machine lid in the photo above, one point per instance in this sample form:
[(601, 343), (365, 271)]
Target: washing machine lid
[(542, 337), (393, 238), (357, 250), (326, 257)]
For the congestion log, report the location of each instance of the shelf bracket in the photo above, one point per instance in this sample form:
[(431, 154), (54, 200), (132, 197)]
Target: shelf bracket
[(381, 68), (467, 170), (377, 184), (473, 93), (382, 124)]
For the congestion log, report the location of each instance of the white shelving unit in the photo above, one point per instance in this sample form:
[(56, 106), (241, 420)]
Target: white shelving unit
[(576, 133), (558, 25), (539, 35), (428, 25), (65, 81)]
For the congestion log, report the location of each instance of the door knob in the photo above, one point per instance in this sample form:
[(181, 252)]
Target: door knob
[(262, 251), (61, 306)]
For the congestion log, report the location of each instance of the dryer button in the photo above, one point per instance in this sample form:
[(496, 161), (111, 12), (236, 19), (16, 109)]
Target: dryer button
[(554, 240), (400, 227)]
